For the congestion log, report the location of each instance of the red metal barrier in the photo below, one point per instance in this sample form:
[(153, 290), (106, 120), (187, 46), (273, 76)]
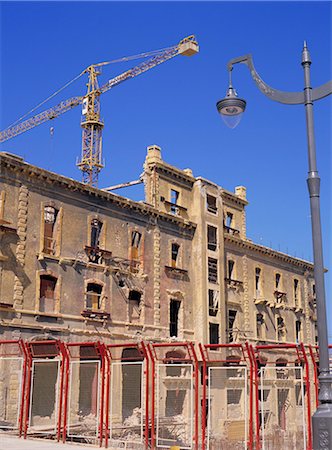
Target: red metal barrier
[(11, 350), (212, 355), (158, 352), (46, 350), (298, 355), (86, 352), (114, 352)]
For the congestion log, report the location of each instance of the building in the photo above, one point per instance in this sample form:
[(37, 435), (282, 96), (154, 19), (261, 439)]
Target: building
[(78, 261), (80, 264)]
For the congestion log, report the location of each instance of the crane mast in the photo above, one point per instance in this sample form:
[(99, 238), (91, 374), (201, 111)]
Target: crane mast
[(92, 126)]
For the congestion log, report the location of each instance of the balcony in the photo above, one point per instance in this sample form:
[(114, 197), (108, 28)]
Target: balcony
[(95, 314), (174, 208), (176, 272), (233, 283), (96, 254), (231, 231)]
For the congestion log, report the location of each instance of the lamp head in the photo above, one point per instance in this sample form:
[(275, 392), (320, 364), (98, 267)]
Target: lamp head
[(231, 108)]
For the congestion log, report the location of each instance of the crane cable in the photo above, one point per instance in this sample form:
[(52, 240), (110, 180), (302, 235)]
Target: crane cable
[(125, 58)]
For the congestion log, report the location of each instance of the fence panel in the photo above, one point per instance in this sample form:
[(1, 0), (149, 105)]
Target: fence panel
[(11, 375), (127, 410), (44, 396), (227, 408), (282, 408), (84, 395), (174, 412)]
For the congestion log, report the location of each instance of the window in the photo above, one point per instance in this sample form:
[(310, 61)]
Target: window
[(212, 270), (231, 320), (277, 280), (229, 219), (214, 333), (174, 318), (175, 254), (174, 201), (47, 293), (212, 237), (134, 298), (93, 296), (51, 224), (211, 204), (258, 282), (233, 403), (298, 331), (281, 329), (96, 227), (296, 292), (259, 326), (213, 302), (136, 239), (230, 269)]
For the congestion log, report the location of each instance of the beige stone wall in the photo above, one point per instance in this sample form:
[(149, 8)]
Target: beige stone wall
[(29, 189)]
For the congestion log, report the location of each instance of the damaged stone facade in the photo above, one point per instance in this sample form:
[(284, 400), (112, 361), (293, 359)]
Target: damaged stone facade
[(78, 263)]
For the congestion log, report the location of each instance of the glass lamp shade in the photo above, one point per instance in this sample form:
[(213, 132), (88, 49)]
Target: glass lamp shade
[(231, 108)]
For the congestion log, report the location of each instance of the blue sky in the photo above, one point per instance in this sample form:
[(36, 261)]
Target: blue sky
[(44, 45)]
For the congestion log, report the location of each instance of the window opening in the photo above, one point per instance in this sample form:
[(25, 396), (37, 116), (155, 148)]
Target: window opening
[(134, 298), (50, 229), (212, 237), (298, 331), (175, 254), (230, 268), (212, 270), (277, 280), (281, 329), (296, 291), (93, 296), (258, 281), (213, 302), (231, 320), (47, 291), (229, 219), (214, 333), (211, 204), (174, 318), (174, 201), (96, 227), (259, 325)]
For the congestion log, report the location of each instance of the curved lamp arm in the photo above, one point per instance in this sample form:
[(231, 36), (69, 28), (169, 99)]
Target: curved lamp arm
[(290, 98)]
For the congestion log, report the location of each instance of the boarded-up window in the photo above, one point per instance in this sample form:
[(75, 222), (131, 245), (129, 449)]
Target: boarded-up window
[(51, 224), (174, 317), (47, 293), (93, 296), (212, 270), (212, 237)]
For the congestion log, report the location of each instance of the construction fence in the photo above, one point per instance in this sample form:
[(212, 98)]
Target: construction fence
[(160, 395)]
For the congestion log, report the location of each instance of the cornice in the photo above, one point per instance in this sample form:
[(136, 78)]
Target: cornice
[(37, 174), (173, 172), (269, 252)]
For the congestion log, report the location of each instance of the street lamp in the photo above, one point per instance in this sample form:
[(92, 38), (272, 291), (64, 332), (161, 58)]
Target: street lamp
[(232, 106)]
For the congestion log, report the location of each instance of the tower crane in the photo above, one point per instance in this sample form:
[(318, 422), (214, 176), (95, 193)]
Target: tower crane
[(92, 125)]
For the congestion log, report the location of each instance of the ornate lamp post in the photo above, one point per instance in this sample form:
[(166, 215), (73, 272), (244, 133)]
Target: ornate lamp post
[(231, 109)]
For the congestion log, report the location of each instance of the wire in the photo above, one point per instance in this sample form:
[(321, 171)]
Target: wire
[(126, 58), (48, 98)]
